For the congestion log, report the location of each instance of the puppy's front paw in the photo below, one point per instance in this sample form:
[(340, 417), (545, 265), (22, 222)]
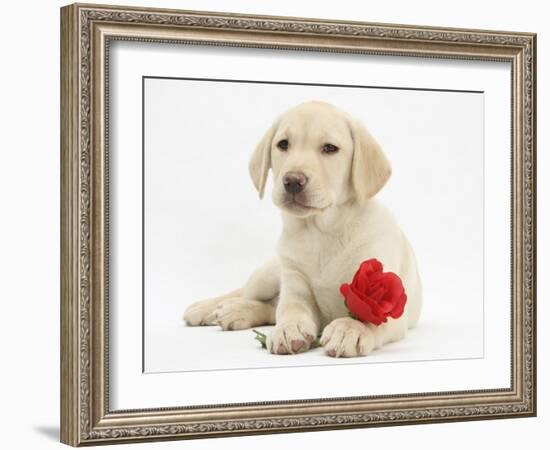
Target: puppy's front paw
[(291, 337), (347, 337), (199, 313), (240, 314)]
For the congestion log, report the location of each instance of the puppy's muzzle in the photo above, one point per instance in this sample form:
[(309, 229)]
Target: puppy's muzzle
[(294, 182)]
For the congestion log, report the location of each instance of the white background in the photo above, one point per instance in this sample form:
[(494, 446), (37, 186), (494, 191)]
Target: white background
[(206, 230), (131, 389), (29, 176)]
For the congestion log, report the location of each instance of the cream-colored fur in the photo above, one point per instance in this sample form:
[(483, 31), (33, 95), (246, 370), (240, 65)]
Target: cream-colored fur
[(329, 228)]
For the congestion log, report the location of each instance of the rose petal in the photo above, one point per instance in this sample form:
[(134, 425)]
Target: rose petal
[(362, 309), (377, 265), (399, 307), (377, 294), (393, 284), (386, 307), (370, 266), (366, 297), (344, 289), (362, 283), (355, 277), (376, 277)]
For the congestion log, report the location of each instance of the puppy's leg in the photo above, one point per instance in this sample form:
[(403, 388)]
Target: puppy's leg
[(414, 301), (297, 316), (251, 306), (255, 305), (347, 337)]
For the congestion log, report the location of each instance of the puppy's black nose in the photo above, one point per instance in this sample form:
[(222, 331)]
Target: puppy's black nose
[(294, 182)]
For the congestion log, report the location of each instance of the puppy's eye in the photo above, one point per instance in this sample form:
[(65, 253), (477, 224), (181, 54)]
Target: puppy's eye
[(283, 144), (330, 148)]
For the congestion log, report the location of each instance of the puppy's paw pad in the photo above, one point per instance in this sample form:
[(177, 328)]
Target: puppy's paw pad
[(291, 337), (281, 350), (297, 344)]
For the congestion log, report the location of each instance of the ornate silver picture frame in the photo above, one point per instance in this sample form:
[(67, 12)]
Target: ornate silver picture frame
[(87, 34)]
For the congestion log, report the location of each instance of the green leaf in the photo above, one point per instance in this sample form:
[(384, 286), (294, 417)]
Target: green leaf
[(316, 343), (261, 338)]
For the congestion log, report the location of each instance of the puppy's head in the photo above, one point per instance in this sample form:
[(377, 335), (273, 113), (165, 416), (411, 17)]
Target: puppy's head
[(320, 157)]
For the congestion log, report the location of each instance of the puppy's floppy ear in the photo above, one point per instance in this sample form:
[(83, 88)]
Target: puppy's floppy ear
[(370, 168), (260, 162)]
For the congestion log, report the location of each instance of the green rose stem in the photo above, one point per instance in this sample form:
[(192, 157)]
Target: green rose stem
[(262, 338)]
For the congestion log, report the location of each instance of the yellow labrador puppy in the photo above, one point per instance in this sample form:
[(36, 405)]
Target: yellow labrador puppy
[(326, 169)]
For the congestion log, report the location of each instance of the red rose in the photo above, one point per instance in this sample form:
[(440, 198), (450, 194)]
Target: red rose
[(373, 295)]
